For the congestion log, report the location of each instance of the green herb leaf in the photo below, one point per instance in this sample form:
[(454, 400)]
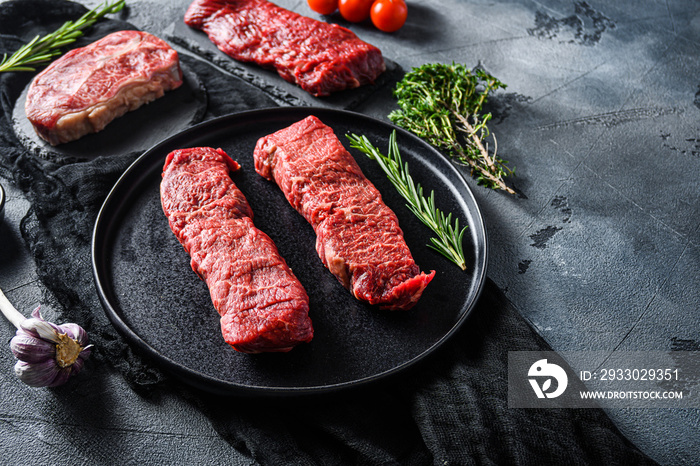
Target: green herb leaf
[(442, 104), (43, 49), (449, 238)]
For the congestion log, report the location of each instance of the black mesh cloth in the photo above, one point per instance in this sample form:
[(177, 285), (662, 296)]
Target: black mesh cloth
[(452, 409)]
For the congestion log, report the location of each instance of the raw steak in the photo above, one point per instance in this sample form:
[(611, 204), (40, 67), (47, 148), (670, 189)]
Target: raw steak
[(88, 87), (263, 306), (321, 58), (357, 236)]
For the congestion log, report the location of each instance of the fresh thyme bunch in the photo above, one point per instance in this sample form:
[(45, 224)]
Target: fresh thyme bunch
[(43, 49), (441, 104)]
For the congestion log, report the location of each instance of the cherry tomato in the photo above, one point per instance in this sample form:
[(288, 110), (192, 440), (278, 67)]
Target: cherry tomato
[(323, 7), (355, 10), (389, 15)]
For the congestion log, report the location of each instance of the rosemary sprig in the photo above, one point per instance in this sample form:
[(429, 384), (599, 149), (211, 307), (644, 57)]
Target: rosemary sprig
[(442, 104), (43, 49), (449, 236)]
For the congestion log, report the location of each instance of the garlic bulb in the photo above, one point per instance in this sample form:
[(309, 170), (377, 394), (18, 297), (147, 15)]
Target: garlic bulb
[(48, 354)]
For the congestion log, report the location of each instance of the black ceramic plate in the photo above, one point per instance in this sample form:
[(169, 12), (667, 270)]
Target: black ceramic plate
[(153, 297), (2, 204)]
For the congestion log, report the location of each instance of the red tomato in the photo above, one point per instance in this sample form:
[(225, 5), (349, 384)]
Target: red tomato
[(389, 15), (324, 7), (355, 10)]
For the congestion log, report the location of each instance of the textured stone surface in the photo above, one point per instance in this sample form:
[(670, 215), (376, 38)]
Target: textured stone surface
[(601, 119)]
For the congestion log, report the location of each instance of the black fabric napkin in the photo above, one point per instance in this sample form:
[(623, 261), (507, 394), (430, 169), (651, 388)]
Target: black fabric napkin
[(450, 409)]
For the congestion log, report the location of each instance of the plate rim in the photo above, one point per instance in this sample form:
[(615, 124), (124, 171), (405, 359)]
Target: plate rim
[(208, 383)]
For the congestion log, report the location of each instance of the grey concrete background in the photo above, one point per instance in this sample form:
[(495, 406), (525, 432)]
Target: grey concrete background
[(599, 251)]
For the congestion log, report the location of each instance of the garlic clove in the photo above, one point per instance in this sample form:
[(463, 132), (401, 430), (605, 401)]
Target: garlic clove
[(36, 325), (77, 365), (62, 376), (38, 374), (76, 332), (30, 349)]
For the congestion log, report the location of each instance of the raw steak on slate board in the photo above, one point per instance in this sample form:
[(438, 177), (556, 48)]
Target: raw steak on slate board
[(322, 58), (85, 89)]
